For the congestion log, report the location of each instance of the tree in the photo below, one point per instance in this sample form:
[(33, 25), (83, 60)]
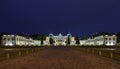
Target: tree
[(42, 39), (118, 37), (68, 41), (51, 41), (103, 33), (85, 37), (24, 35), (36, 37), (39, 37), (77, 40)]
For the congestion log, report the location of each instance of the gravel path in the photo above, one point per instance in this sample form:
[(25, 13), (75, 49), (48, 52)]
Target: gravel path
[(60, 58)]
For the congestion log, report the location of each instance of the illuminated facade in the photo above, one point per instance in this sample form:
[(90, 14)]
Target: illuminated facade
[(72, 41), (61, 40), (11, 40), (108, 40)]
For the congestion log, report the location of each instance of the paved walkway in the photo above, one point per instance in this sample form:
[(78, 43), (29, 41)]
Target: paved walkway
[(60, 58)]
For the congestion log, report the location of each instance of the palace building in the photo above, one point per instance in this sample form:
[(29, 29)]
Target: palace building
[(11, 40), (108, 40), (60, 39)]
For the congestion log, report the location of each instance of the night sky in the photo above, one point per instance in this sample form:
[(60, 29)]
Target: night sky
[(79, 17)]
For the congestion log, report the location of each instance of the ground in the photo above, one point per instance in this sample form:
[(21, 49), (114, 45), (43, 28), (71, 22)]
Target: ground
[(60, 58)]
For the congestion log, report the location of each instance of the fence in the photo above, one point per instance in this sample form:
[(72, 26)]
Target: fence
[(109, 54), (19, 53)]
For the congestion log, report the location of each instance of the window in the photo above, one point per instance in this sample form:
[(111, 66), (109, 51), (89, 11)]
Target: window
[(8, 39), (13, 38), (113, 38), (105, 38), (4, 43), (13, 42), (4, 39), (109, 42), (106, 42), (114, 43), (109, 38)]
